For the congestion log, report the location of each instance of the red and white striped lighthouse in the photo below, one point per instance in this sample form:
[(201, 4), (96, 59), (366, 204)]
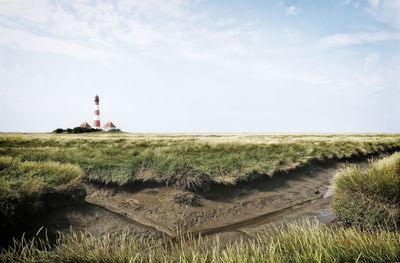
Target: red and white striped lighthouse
[(96, 117)]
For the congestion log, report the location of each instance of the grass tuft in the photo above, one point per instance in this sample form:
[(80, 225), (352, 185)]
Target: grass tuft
[(369, 198)]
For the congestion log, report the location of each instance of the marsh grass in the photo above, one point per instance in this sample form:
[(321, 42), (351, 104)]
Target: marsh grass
[(189, 160), (369, 198), (32, 162), (26, 178), (298, 242), (22, 184)]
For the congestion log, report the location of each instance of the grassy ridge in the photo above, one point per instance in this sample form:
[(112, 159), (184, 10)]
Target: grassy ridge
[(188, 160), (24, 179), (369, 198), (299, 242), (23, 184)]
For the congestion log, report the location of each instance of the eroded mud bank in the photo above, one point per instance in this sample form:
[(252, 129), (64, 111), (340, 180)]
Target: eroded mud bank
[(231, 211)]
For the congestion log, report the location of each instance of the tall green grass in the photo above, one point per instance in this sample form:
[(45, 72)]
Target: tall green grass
[(369, 198), (189, 160), (23, 182), (29, 177), (298, 242)]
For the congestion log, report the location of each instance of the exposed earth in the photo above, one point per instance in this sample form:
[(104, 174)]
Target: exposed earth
[(235, 211)]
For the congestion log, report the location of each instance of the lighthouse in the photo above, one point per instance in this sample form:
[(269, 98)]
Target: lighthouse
[(96, 117)]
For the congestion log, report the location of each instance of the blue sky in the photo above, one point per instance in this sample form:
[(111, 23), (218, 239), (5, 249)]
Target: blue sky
[(201, 66)]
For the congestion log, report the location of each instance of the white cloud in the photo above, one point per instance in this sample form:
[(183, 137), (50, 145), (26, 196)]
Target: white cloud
[(371, 62), (32, 42), (99, 24), (387, 11), (394, 69), (292, 10), (374, 3), (294, 36), (36, 12), (155, 28), (165, 29), (153, 8), (342, 40)]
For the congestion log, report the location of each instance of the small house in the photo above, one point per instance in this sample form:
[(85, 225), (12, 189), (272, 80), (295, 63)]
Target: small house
[(109, 126), (85, 124)]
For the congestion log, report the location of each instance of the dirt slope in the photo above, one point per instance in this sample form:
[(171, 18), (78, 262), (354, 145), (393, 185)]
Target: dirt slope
[(270, 200), (232, 212)]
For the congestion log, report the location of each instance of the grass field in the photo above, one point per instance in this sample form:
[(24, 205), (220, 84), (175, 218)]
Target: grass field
[(190, 160), (299, 242), (32, 163), (371, 198)]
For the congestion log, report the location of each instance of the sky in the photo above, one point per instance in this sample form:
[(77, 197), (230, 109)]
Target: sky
[(202, 65)]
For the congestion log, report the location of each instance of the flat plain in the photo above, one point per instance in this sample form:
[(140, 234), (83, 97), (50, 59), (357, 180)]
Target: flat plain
[(189, 160)]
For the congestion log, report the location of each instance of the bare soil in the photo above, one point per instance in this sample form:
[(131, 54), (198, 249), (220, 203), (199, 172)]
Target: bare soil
[(232, 212), (246, 208), (90, 218)]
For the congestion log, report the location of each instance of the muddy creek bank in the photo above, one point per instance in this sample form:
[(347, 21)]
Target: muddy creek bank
[(249, 208), (232, 212)]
